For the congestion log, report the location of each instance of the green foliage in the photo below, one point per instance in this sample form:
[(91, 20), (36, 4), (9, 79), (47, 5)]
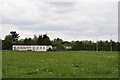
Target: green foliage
[(78, 46), (60, 64), (0, 43), (14, 35), (10, 40), (19, 42), (7, 43), (102, 45), (40, 40), (58, 44), (106, 46), (118, 46), (43, 40), (34, 40), (46, 40), (26, 41)]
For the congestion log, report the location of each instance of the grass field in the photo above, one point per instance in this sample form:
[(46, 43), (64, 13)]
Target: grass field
[(60, 64)]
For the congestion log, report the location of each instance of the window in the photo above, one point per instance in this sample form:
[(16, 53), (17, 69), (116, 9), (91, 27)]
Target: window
[(40, 47), (43, 47), (23, 47), (33, 48), (37, 47), (17, 48), (20, 47)]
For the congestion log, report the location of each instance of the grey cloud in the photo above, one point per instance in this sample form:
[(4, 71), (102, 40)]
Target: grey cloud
[(7, 21), (81, 19), (62, 4), (45, 28)]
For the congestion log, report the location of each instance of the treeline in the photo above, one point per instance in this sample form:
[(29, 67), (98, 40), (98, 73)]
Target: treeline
[(99, 46), (58, 44)]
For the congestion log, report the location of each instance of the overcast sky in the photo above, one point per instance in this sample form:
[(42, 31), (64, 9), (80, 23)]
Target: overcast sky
[(85, 20)]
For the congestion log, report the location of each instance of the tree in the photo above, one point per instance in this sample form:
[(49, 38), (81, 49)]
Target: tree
[(118, 46), (14, 35), (46, 40), (106, 46), (20, 42), (58, 44), (65, 42), (34, 40), (88, 45), (7, 42), (26, 41), (78, 46), (0, 44), (40, 40), (100, 45), (29, 41)]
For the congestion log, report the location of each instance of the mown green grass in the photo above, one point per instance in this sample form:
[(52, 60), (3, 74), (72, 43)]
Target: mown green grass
[(60, 64)]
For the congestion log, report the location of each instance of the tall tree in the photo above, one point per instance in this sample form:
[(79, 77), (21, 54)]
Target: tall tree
[(46, 40), (118, 46), (34, 40), (7, 42), (40, 40), (26, 41), (14, 35), (58, 44)]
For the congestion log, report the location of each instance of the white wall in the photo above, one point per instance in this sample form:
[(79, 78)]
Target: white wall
[(37, 47)]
